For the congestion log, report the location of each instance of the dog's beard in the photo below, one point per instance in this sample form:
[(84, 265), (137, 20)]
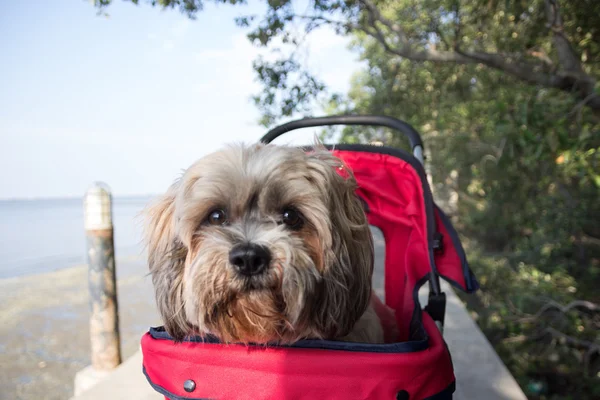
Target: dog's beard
[(273, 306)]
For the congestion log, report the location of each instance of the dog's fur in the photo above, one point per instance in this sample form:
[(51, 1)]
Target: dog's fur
[(318, 283)]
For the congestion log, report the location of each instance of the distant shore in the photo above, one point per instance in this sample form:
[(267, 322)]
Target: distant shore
[(44, 337), (133, 197), (44, 235)]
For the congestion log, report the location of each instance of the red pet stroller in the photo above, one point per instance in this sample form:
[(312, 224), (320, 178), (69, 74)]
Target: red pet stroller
[(421, 246)]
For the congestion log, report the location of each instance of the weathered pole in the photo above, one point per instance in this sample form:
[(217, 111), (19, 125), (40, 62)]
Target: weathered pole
[(104, 316)]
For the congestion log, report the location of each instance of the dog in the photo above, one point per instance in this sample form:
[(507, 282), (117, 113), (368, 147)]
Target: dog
[(263, 244)]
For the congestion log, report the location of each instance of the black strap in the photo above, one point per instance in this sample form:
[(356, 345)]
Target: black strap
[(436, 306), (438, 242)]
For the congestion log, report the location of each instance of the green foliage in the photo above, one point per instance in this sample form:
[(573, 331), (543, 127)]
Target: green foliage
[(550, 352), (188, 7), (519, 39), (287, 86)]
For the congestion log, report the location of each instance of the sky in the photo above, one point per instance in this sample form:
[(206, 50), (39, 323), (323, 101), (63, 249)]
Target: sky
[(131, 99)]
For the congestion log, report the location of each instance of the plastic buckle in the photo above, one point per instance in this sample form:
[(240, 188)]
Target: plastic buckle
[(438, 242), (436, 307)]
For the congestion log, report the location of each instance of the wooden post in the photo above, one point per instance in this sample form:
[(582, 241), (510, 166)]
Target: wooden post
[(104, 315)]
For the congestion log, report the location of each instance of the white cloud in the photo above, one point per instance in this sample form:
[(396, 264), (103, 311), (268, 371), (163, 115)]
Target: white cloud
[(172, 36), (180, 28), (204, 87), (239, 48), (211, 54), (326, 55), (325, 39), (168, 44)]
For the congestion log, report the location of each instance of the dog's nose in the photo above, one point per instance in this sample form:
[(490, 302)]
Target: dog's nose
[(249, 259)]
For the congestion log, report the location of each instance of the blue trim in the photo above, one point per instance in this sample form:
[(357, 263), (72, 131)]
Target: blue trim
[(470, 281), (402, 347), (445, 394), (165, 392)]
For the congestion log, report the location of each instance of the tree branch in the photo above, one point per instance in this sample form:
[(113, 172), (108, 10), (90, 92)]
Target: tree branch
[(571, 79), (571, 340), (574, 77), (457, 24), (566, 55), (336, 23), (404, 49), (552, 305), (376, 15)]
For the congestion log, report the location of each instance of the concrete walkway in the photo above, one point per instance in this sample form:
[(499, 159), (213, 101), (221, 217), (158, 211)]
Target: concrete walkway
[(127, 382), (480, 374)]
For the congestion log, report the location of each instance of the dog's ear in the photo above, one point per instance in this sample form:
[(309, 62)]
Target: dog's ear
[(166, 258), (346, 284)]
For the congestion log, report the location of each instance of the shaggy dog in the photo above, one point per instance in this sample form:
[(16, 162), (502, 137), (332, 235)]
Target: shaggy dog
[(263, 244)]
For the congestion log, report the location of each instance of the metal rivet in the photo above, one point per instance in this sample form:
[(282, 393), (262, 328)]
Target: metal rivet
[(189, 386), (402, 395)]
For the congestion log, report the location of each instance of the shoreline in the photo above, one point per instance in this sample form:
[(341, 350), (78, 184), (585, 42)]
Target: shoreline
[(44, 326), (39, 269)]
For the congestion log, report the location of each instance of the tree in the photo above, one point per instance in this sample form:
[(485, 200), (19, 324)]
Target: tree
[(524, 161), (539, 42)]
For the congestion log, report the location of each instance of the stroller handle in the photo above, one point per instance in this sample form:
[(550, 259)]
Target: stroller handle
[(367, 120)]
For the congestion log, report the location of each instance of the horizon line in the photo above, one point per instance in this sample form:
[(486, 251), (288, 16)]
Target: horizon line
[(73, 197)]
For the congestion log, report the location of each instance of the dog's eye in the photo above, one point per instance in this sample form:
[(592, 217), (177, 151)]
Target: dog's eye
[(217, 217), (291, 218)]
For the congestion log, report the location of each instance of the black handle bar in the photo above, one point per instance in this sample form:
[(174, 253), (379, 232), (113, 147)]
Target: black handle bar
[(369, 120)]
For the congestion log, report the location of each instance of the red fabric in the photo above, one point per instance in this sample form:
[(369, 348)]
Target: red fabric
[(393, 192), (448, 261), (238, 372)]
